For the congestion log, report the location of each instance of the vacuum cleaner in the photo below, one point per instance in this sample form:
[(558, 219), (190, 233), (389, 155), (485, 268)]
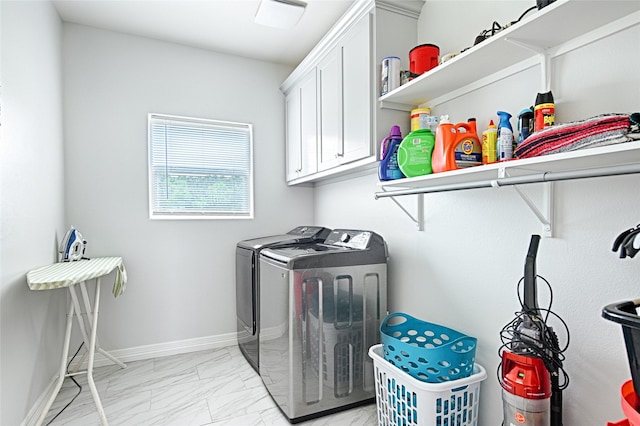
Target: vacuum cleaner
[(531, 366)]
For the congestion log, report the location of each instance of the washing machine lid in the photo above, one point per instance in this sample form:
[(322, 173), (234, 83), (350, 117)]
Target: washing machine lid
[(298, 235), (343, 247)]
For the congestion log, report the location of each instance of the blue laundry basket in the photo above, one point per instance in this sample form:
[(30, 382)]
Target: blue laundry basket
[(428, 352)]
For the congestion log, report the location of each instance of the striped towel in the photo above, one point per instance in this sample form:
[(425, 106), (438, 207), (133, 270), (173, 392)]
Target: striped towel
[(601, 130), (65, 274)]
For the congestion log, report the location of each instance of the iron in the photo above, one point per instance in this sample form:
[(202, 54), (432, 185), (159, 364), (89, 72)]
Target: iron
[(72, 246)]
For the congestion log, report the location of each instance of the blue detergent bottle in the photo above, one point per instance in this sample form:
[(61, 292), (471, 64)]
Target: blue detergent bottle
[(388, 168)]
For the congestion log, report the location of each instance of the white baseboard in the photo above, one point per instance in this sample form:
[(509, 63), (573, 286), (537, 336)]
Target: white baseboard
[(137, 354), (165, 349), (34, 413)]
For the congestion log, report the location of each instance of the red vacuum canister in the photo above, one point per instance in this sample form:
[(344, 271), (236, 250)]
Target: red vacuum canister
[(526, 394)]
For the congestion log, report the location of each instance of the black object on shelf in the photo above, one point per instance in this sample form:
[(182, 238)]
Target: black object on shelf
[(543, 3), (625, 313)]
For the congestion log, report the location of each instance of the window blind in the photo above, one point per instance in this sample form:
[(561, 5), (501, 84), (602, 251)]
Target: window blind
[(199, 168)]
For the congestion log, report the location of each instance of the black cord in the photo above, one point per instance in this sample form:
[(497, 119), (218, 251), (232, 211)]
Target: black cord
[(74, 381), (545, 348), (524, 13), (496, 27), (543, 344)]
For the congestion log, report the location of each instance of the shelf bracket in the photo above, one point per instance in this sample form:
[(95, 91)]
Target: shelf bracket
[(545, 62), (545, 214), (419, 221)]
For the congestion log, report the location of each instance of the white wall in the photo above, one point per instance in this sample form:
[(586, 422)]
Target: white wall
[(181, 273), (31, 220), (463, 269)]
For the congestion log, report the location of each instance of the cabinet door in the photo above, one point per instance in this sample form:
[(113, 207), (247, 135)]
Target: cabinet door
[(357, 91), (308, 123), (345, 98), (330, 104), (293, 133), (301, 127)]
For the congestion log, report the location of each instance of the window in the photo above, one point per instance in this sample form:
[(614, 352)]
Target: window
[(199, 168)]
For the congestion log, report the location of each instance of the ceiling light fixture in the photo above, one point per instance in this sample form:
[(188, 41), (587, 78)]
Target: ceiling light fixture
[(280, 13)]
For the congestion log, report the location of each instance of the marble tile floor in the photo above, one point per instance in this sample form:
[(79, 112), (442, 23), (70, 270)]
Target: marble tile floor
[(213, 388)]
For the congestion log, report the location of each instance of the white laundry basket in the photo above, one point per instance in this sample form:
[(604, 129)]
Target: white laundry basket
[(405, 401)]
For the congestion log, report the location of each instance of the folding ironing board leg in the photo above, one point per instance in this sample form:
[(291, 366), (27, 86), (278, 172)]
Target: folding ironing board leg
[(90, 341), (63, 367), (78, 309), (87, 306), (92, 352)]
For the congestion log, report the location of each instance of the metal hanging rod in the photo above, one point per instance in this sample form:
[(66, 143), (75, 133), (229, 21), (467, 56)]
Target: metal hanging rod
[(625, 169)]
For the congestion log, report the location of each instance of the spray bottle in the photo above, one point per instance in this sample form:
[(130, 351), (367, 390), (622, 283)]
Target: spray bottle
[(388, 168), (505, 137), (544, 111), (525, 124)]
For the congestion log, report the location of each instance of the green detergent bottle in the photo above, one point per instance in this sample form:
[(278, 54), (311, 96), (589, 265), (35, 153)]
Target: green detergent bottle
[(414, 153)]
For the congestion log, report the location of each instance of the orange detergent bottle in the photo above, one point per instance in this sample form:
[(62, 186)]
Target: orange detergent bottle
[(457, 146), (468, 145)]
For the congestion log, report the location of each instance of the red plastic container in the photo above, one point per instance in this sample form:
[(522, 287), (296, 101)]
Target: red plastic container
[(422, 58), (629, 403)]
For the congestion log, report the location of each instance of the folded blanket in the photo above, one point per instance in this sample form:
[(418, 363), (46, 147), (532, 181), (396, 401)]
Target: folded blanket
[(601, 130)]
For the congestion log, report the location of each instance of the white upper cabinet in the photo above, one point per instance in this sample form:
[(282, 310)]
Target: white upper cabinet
[(345, 99), (348, 119), (308, 121), (330, 140), (301, 127), (292, 133), (356, 92)]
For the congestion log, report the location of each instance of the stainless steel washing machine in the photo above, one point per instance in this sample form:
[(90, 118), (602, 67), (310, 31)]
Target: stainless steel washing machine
[(247, 283), (320, 308)]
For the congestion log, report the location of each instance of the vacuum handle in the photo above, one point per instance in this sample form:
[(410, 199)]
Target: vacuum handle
[(530, 292)]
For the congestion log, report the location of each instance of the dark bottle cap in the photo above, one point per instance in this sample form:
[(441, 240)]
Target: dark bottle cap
[(544, 98)]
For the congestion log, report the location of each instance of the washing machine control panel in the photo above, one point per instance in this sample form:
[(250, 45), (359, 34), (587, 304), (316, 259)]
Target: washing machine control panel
[(316, 232), (358, 240)]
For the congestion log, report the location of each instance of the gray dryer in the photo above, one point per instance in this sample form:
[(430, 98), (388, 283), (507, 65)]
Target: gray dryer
[(247, 283)]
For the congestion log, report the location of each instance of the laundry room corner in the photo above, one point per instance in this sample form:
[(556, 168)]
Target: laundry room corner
[(181, 286)]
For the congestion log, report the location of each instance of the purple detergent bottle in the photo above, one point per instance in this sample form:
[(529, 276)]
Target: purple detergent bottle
[(388, 168)]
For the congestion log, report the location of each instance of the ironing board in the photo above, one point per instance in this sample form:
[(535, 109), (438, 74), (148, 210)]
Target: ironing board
[(68, 275)]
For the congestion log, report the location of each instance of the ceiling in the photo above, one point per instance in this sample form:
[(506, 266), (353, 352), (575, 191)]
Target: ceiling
[(225, 26)]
